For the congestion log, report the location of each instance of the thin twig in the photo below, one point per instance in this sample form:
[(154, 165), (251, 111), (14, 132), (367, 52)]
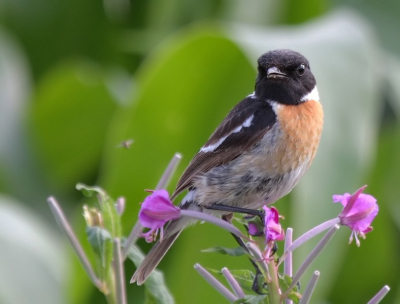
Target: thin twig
[(306, 296), (169, 171), (287, 263), (308, 235), (311, 257), (215, 283), (380, 295), (66, 228), (213, 220), (258, 258), (233, 283), (118, 265)]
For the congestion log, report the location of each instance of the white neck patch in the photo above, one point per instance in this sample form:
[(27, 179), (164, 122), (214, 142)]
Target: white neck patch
[(252, 95), (275, 105), (313, 95)]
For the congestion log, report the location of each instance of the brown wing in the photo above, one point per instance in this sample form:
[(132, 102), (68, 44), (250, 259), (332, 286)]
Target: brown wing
[(242, 128)]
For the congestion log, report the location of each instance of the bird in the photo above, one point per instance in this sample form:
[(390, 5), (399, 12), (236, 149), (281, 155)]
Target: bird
[(257, 154)]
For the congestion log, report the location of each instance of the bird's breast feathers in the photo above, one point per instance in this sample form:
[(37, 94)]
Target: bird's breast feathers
[(300, 128), (273, 167)]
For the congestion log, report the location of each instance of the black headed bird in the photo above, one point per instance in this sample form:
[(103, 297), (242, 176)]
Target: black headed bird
[(257, 154)]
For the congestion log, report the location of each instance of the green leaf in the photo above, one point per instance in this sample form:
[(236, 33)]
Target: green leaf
[(69, 118), (90, 191), (299, 12), (99, 239), (238, 251), (72, 34), (250, 299), (285, 281), (102, 244), (295, 297), (156, 288), (245, 278), (111, 218)]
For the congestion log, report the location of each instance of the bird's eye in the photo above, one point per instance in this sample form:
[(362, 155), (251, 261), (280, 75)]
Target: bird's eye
[(301, 69)]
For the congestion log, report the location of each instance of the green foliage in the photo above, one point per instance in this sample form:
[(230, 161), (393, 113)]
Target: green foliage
[(260, 299), (245, 278), (110, 219), (299, 11), (98, 238), (70, 117), (284, 283), (103, 227), (156, 291)]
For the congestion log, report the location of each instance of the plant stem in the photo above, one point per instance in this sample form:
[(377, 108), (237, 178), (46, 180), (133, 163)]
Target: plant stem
[(67, 229), (258, 258), (169, 171), (213, 220), (233, 283), (288, 260), (274, 294), (311, 257), (380, 295), (305, 299), (118, 266), (215, 283), (308, 235)]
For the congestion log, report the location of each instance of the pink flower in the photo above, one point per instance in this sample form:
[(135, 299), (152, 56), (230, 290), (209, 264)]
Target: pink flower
[(358, 213), (272, 229), (254, 229), (157, 209)]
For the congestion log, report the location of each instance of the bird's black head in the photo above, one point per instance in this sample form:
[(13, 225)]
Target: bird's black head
[(284, 76)]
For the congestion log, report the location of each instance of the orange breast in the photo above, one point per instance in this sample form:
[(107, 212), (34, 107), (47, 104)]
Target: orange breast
[(301, 127)]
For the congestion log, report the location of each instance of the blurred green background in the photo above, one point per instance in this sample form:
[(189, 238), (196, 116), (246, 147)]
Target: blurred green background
[(79, 77)]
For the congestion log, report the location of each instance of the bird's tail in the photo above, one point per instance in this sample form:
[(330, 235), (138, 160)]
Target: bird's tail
[(154, 257), (159, 249)]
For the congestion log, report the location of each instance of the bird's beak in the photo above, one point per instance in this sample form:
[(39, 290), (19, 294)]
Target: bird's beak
[(274, 72)]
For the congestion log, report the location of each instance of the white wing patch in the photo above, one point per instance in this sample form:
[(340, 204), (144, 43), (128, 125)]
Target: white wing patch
[(313, 95), (211, 148)]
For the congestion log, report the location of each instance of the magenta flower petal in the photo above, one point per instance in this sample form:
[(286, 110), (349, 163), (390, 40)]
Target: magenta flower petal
[(358, 213), (341, 198), (157, 209), (272, 229), (253, 229)]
